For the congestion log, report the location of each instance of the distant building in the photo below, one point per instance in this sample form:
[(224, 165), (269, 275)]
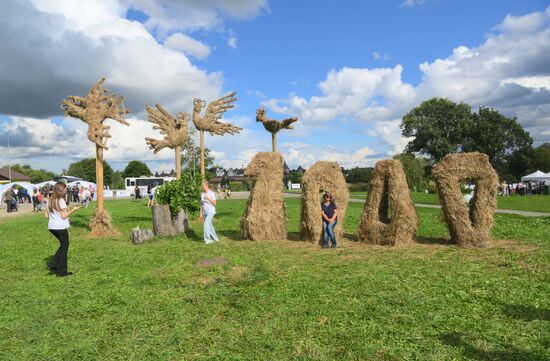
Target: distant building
[(15, 176), (286, 169), (300, 170)]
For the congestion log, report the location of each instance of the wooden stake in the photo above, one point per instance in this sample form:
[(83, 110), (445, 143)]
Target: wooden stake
[(202, 153), (273, 142), (178, 162), (99, 177)]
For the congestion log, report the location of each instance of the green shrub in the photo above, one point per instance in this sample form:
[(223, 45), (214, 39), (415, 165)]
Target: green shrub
[(235, 186), (182, 194)]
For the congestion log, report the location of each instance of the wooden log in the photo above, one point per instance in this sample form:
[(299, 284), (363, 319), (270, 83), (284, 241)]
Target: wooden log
[(166, 225), (140, 236)]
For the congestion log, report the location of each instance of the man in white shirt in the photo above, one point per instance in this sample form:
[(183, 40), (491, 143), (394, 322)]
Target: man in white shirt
[(208, 210)]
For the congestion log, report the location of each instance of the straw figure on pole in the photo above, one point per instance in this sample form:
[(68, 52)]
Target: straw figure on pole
[(469, 226), (211, 121), (388, 190), (175, 131), (274, 126), (327, 177), (264, 217), (93, 109)]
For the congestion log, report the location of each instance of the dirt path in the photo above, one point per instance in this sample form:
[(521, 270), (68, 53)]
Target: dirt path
[(25, 208)]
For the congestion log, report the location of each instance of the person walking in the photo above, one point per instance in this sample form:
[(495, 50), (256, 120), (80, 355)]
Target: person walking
[(58, 225), (330, 219), (207, 212)]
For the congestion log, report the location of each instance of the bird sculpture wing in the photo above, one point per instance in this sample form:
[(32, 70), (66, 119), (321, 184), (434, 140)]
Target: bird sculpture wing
[(214, 112)]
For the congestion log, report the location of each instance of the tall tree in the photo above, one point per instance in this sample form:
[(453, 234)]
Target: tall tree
[(136, 168), (190, 157), (494, 134), (36, 175), (359, 175), (86, 169), (415, 169), (541, 158), (438, 126)]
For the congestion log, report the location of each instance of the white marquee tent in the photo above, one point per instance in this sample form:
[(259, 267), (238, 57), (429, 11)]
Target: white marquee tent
[(4, 187), (537, 176)]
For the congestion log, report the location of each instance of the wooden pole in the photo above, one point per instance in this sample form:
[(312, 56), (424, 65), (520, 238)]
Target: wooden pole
[(99, 177), (178, 162), (202, 153), (273, 142)]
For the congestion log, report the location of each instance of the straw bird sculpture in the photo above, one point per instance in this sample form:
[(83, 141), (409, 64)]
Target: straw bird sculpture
[(93, 109), (210, 122), (175, 132), (274, 126)]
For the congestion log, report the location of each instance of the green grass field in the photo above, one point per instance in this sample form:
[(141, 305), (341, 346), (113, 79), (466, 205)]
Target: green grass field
[(536, 203), (277, 300)]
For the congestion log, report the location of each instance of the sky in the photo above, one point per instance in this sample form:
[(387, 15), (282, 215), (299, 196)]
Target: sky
[(349, 70)]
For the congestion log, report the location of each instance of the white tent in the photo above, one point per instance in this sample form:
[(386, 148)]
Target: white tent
[(46, 183), (537, 176), (4, 187), (82, 183)]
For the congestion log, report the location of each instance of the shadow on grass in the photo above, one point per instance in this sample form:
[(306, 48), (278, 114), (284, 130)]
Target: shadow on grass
[(193, 236), (435, 240), (456, 339), (526, 313), (234, 235)]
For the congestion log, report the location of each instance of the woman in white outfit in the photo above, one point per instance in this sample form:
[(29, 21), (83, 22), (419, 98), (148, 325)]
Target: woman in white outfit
[(208, 210)]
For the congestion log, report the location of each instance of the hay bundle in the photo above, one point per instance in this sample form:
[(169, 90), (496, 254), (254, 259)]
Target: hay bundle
[(100, 225), (388, 189), (468, 227), (264, 217), (322, 177)]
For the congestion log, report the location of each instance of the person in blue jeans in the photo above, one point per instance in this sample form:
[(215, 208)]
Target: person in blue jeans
[(208, 210), (330, 219)]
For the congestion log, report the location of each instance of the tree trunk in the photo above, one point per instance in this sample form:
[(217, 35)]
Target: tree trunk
[(273, 142), (178, 162), (202, 153), (99, 177), (166, 225)]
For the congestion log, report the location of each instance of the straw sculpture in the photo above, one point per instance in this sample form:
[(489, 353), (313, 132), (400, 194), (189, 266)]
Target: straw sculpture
[(469, 226), (94, 109), (210, 122), (274, 126), (264, 217), (175, 132), (322, 177), (388, 190)]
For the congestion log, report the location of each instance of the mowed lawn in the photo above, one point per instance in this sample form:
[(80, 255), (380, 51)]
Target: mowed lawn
[(276, 300), (535, 203)]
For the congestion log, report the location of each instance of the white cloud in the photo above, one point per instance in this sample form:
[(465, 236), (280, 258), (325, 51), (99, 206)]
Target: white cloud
[(412, 3), (88, 47), (188, 45), (194, 14), (379, 56), (509, 72), (232, 41)]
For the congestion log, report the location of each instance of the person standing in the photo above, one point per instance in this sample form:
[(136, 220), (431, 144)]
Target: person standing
[(85, 197), (330, 220), (58, 225), (208, 210)]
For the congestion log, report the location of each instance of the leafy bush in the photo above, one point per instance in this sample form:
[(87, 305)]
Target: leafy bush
[(235, 186), (182, 194)]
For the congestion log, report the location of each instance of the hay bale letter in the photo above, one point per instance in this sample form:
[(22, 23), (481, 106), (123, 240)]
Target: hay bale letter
[(264, 217), (322, 177), (468, 227), (388, 189)]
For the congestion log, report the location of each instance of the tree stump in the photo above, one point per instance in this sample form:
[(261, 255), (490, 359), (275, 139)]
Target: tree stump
[(164, 224), (140, 236)]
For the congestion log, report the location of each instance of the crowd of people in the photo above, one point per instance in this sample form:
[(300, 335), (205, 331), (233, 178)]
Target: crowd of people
[(523, 188), (15, 196)]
